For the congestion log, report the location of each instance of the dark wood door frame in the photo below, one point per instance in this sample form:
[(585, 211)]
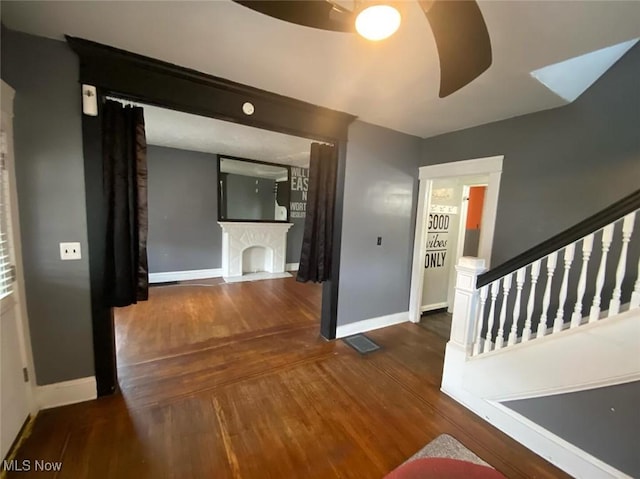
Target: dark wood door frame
[(138, 78)]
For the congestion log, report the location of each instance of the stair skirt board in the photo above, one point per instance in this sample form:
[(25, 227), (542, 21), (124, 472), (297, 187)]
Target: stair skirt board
[(599, 354), (557, 451), (554, 449), (370, 324)]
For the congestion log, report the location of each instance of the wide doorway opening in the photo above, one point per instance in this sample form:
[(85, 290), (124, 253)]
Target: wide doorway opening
[(226, 213)]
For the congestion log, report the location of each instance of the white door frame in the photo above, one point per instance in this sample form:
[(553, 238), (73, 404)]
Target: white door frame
[(464, 211), (18, 296), (490, 166)]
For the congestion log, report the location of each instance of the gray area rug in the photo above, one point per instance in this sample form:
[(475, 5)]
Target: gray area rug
[(449, 447)]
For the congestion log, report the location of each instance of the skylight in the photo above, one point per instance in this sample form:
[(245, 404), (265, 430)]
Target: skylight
[(570, 78)]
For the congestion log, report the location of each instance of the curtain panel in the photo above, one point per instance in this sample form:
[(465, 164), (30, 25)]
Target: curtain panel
[(124, 151), (317, 242)]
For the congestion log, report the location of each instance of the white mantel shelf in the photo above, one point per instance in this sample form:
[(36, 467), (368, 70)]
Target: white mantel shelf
[(237, 236)]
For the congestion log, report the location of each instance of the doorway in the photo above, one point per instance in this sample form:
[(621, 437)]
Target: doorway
[(442, 228), (196, 308), (135, 77)]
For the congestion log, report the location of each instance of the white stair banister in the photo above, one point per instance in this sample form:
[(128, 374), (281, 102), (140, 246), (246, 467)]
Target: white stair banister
[(495, 288), (513, 335), (627, 230), (465, 302), (587, 247), (552, 260), (506, 287), (607, 236), (635, 296), (484, 291), (569, 253), (535, 273)]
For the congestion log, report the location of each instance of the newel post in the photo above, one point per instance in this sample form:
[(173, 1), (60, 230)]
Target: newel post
[(465, 303)]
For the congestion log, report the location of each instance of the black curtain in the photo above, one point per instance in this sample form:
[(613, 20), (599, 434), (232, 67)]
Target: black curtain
[(317, 242), (124, 155)]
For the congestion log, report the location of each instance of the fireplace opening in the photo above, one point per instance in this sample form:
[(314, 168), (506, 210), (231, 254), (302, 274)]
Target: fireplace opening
[(257, 259)]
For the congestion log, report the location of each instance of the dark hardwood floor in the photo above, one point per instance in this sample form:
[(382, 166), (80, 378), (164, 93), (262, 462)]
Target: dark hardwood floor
[(233, 381)]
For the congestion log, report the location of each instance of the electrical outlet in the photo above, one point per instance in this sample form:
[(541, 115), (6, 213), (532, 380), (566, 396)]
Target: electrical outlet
[(69, 251), (379, 241)]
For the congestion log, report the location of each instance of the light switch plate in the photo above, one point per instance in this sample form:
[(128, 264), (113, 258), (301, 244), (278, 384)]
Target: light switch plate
[(69, 251)]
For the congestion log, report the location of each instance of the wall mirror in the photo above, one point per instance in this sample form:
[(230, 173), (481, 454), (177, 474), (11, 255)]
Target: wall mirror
[(251, 190)]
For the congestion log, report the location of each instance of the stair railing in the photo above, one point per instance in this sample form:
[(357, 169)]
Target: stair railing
[(583, 275)]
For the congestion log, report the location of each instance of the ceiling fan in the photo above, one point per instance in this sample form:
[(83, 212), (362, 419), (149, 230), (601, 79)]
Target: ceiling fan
[(462, 39)]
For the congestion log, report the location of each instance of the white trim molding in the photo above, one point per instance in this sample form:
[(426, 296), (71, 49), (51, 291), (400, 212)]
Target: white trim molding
[(491, 167), (292, 266), (170, 276), (370, 324), (66, 392), (431, 307)]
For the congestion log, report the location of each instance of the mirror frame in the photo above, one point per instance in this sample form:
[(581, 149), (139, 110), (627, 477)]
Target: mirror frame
[(231, 157)]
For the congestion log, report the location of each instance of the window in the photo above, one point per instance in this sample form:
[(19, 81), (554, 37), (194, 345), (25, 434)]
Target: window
[(6, 270)]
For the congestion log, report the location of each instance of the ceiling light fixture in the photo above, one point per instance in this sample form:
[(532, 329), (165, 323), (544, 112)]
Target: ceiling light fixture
[(377, 22)]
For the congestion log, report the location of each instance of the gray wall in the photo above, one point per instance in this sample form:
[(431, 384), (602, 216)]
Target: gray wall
[(560, 166), (183, 210), (379, 200), (50, 176), (603, 422)]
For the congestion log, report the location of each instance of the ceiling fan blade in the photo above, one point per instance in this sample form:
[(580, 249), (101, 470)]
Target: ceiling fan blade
[(320, 14), (462, 39)]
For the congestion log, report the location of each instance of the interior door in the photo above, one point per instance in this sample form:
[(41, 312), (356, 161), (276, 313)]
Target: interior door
[(15, 393)]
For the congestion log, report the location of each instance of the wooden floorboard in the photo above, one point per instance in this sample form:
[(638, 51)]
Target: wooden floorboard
[(234, 381)]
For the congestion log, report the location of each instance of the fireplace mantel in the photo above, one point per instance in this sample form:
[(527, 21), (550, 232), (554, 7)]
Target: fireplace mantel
[(238, 236)]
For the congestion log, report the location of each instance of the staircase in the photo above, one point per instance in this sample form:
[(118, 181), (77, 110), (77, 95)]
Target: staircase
[(561, 317)]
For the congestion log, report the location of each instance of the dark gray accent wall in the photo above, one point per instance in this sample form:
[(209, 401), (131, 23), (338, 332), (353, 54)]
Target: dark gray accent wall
[(183, 210), (379, 200), (51, 196), (603, 422), (560, 166)]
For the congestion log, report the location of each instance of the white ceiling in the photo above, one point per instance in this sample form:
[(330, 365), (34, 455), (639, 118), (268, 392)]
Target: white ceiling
[(185, 131), (393, 83)]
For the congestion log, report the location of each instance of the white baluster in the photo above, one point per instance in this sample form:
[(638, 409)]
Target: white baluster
[(495, 287), (506, 286), (627, 230), (513, 335), (483, 300), (587, 247), (569, 253), (635, 296), (552, 260), (535, 272), (607, 236)]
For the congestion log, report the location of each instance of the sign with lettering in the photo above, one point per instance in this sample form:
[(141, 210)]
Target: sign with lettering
[(299, 189), (437, 240)]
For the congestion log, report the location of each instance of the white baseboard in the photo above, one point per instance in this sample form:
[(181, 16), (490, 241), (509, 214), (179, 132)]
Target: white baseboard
[(185, 275), (371, 324), (563, 454), (292, 266), (66, 392), (430, 307)]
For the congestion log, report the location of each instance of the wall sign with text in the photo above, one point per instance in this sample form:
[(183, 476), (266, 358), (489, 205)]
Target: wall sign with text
[(299, 189), (438, 229)]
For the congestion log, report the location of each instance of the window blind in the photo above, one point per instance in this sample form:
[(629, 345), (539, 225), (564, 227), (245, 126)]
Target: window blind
[(6, 270)]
